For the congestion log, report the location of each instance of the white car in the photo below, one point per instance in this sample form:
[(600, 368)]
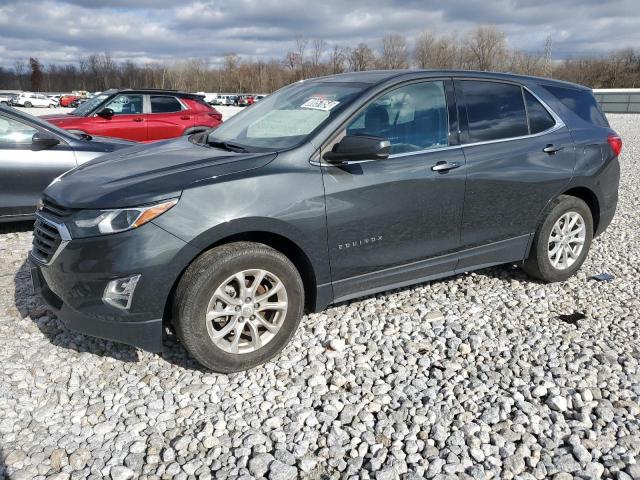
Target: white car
[(28, 99)]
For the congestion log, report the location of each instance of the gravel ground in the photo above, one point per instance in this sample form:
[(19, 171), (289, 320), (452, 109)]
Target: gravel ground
[(226, 112), (474, 376)]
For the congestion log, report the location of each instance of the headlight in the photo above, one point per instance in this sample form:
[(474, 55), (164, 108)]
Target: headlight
[(89, 223)]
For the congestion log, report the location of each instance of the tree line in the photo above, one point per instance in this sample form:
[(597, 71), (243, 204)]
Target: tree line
[(482, 48)]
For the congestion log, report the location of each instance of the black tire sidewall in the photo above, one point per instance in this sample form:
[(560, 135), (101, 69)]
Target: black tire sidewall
[(542, 267), (191, 326)]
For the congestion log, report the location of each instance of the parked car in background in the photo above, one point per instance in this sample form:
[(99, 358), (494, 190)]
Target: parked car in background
[(66, 100), (29, 99), (55, 98), (245, 100), (327, 190), (77, 102), (140, 115), (259, 97), (33, 153), (210, 98), (226, 99), (7, 98)]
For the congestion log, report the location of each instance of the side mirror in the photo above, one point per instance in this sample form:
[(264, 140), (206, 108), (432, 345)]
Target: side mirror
[(353, 148), (105, 113), (45, 140)]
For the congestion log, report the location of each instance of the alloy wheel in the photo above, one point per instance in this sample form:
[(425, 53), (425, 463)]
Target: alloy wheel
[(566, 240), (246, 311)]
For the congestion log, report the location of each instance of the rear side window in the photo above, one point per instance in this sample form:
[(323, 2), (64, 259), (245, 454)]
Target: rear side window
[(581, 102), (539, 118), (165, 104), (494, 110)]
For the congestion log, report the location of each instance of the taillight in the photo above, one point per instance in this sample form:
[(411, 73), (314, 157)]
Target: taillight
[(216, 115), (615, 142)]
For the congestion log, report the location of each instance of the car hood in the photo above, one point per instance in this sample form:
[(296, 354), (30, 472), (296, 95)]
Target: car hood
[(148, 173), (57, 116)]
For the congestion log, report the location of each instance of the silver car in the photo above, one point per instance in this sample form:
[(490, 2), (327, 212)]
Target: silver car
[(33, 153)]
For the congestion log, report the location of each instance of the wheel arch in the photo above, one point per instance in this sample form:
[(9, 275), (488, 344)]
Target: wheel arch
[(277, 241), (589, 197)]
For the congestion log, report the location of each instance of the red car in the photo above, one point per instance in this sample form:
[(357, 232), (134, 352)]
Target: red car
[(67, 100), (140, 115)]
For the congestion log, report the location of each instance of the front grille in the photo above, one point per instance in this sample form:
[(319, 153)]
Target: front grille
[(55, 210), (46, 240)]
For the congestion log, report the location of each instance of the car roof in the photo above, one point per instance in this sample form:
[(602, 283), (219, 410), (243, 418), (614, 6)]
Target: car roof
[(380, 76), (178, 93)]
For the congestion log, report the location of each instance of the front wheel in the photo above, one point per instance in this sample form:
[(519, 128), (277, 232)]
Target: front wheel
[(28, 105), (238, 305), (562, 241)]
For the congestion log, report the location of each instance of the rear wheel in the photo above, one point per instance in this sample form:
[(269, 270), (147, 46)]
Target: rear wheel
[(28, 104), (562, 241), (238, 305)]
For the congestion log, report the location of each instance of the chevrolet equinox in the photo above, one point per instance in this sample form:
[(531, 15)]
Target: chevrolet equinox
[(330, 189)]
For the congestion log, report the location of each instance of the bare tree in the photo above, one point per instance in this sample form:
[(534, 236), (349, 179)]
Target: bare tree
[(485, 48), (336, 62), (423, 50), (361, 58), (317, 49), (394, 52), (301, 47), (20, 69)]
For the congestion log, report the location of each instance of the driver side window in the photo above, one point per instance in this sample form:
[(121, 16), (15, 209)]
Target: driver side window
[(412, 118), (126, 105), (14, 132)]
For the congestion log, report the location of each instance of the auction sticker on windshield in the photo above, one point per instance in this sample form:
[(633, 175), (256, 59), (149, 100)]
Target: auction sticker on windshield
[(317, 103)]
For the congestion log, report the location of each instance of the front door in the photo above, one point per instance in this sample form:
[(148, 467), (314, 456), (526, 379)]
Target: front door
[(25, 169), (128, 119), (394, 221)]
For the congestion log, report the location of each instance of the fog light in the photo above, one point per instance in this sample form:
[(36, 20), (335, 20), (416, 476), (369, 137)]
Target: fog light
[(119, 292)]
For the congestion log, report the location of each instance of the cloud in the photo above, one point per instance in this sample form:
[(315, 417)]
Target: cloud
[(164, 30)]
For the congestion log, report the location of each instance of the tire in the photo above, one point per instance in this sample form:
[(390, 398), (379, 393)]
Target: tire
[(27, 105), (200, 286), (540, 263)]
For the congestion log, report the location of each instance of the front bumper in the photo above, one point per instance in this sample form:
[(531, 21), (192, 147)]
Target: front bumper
[(73, 283)]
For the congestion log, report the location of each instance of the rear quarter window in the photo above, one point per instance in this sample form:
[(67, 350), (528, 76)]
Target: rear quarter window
[(581, 102)]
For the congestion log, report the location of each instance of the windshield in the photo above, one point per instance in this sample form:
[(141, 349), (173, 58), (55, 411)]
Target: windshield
[(89, 105), (287, 117)]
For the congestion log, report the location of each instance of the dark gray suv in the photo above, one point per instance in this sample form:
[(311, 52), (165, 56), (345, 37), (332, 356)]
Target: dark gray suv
[(329, 189)]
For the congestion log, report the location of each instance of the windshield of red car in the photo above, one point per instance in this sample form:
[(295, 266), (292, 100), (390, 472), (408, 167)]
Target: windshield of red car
[(85, 108)]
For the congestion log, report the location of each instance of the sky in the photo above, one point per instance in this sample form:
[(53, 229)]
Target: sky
[(63, 31)]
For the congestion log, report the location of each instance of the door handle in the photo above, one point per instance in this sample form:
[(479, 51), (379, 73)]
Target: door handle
[(551, 149), (445, 166), (185, 117), (139, 119)]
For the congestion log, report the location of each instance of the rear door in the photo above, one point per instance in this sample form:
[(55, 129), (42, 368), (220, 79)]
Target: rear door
[(396, 220), (128, 120), (26, 170), (167, 117), (519, 156)]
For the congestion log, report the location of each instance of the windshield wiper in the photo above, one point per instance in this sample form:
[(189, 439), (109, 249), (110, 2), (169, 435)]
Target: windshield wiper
[(228, 146)]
